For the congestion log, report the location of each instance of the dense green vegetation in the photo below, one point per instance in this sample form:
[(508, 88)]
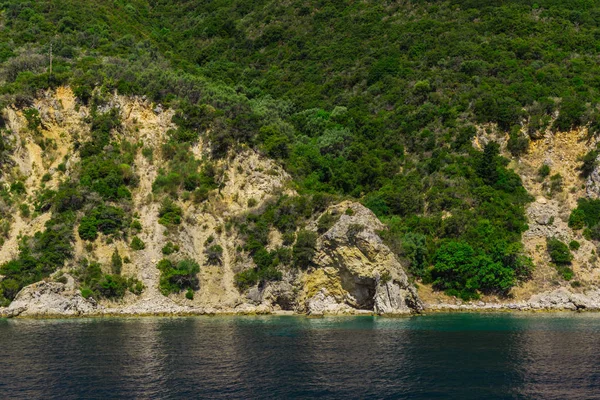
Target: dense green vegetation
[(96, 284), (178, 276), (371, 100), (561, 256), (587, 214)]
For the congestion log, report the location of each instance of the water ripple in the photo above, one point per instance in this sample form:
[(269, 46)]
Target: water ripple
[(466, 356)]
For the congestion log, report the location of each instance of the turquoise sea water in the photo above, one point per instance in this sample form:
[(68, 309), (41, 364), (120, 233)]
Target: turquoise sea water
[(458, 356)]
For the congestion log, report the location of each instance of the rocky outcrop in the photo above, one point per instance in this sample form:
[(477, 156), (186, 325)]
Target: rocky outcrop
[(560, 299), (49, 299), (563, 299), (356, 270), (592, 183), (544, 220)]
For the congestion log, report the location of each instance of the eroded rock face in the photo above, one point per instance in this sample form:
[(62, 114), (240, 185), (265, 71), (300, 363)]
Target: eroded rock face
[(592, 183), (544, 220), (355, 269), (50, 298)]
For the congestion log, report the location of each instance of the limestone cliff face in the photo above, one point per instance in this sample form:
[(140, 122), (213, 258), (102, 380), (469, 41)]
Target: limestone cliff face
[(548, 215), (356, 270), (353, 270)]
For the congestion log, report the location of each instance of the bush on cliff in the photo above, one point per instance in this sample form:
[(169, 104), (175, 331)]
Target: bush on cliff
[(178, 276)]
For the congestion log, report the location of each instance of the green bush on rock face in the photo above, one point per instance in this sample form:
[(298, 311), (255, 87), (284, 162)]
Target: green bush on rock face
[(95, 283), (558, 251), (214, 254), (106, 219), (117, 262), (137, 244), (587, 214), (189, 294), (304, 249), (169, 213), (178, 276), (169, 248), (561, 256)]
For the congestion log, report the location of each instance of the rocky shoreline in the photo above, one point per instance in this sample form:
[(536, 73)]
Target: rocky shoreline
[(555, 301)]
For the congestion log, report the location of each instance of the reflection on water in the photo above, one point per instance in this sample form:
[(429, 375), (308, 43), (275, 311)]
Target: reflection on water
[(442, 356)]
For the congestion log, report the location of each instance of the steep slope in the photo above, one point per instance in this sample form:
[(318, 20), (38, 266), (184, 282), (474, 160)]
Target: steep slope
[(248, 183)]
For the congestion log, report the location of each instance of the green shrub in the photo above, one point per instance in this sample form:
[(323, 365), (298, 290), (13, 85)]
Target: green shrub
[(461, 271), (106, 219), (17, 187), (589, 163), (34, 121), (544, 171), (169, 248), (25, 211), (189, 294), (558, 251), (135, 286), (148, 152), (517, 143), (112, 286), (565, 272), (589, 211), (574, 245), (577, 219), (39, 255), (169, 213), (214, 254), (594, 232), (253, 276), (414, 249), (179, 276), (87, 229), (116, 262), (137, 244), (136, 225), (304, 249), (247, 278), (326, 221), (97, 284), (556, 184)]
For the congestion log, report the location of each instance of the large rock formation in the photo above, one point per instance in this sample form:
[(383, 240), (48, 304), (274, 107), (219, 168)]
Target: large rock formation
[(356, 270), (50, 299)]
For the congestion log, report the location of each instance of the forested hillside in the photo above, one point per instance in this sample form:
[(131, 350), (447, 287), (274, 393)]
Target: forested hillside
[(377, 102)]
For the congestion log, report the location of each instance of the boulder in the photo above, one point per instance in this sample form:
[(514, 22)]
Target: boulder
[(50, 298)]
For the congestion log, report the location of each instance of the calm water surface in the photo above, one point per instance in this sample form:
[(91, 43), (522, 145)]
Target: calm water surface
[(462, 356)]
